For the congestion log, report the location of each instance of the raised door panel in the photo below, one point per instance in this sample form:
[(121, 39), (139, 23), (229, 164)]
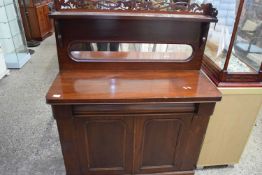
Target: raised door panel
[(44, 23), (160, 142), (41, 19), (33, 22), (105, 144), (47, 19)]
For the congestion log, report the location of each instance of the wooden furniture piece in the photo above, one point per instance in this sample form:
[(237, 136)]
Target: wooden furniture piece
[(230, 126), (131, 116), (36, 22)]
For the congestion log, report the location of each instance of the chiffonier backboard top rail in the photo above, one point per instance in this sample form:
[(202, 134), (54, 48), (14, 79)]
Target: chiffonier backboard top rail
[(131, 22)]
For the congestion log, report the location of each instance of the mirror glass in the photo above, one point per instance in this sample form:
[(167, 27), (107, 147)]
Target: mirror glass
[(105, 51)]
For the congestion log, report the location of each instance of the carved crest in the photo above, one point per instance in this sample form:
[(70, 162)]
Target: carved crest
[(137, 5)]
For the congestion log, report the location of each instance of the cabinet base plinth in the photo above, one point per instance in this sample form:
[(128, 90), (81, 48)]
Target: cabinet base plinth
[(172, 173), (165, 173)]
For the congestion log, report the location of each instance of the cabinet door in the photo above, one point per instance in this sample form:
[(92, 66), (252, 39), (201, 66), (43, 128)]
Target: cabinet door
[(41, 19), (47, 19), (160, 142), (105, 144)]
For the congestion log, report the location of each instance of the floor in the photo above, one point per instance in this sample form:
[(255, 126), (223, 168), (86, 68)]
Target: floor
[(29, 143)]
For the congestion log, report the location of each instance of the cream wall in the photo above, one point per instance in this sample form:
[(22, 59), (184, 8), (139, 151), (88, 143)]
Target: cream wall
[(230, 126)]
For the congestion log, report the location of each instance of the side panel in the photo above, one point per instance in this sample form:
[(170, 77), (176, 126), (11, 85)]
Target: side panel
[(230, 126)]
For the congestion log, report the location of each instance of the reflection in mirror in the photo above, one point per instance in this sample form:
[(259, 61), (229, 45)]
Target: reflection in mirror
[(85, 51)]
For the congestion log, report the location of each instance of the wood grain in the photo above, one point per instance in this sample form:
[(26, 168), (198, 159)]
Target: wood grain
[(139, 86)]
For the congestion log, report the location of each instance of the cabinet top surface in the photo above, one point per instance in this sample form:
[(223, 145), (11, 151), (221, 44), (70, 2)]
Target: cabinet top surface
[(75, 87)]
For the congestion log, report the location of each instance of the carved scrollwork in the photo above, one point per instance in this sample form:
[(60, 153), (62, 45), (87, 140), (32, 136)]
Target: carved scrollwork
[(208, 9), (137, 5)]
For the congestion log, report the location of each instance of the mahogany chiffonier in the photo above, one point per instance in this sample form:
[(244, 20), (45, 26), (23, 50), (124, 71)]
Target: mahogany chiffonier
[(130, 97)]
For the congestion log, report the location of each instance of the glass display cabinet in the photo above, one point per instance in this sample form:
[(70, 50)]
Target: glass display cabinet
[(233, 53), (12, 36)]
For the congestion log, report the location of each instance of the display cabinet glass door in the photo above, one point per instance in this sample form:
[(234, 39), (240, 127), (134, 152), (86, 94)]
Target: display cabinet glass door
[(233, 52), (248, 42)]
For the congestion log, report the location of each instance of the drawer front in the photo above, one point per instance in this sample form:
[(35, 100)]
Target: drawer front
[(136, 108)]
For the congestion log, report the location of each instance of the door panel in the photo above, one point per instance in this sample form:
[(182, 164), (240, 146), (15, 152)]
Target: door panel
[(47, 19), (106, 144), (41, 20), (160, 134), (160, 140)]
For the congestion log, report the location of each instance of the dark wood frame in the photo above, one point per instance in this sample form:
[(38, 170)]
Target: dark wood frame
[(223, 78)]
